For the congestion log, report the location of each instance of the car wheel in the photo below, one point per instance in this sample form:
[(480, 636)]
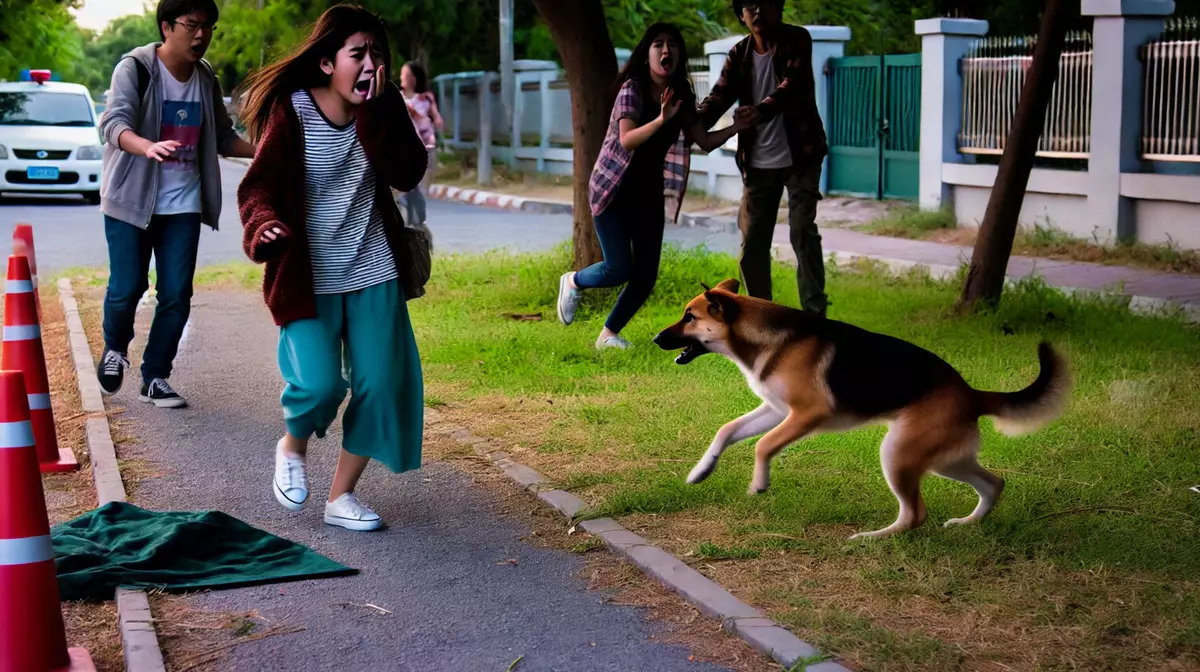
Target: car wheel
[(92, 197)]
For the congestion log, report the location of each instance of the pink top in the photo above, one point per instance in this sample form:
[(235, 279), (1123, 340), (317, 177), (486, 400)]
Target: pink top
[(423, 103)]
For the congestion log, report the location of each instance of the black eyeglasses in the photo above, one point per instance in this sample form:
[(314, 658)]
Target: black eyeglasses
[(193, 27)]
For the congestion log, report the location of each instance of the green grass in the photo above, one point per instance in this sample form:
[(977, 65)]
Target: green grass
[(1090, 558), (910, 222)]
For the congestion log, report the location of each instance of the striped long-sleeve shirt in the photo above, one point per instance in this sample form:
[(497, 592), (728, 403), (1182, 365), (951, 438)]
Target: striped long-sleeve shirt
[(345, 228)]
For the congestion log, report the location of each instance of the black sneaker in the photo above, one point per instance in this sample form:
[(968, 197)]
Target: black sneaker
[(159, 393), (111, 371)]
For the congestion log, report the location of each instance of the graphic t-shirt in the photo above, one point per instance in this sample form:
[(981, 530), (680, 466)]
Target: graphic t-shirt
[(179, 174)]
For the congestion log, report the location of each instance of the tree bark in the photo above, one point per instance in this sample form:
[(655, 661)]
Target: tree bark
[(993, 246), (581, 35)]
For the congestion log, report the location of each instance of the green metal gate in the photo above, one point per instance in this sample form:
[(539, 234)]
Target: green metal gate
[(874, 125)]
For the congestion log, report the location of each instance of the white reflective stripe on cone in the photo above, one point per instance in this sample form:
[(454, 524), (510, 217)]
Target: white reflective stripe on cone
[(26, 551), (18, 286), (39, 402), (16, 434), (25, 332)]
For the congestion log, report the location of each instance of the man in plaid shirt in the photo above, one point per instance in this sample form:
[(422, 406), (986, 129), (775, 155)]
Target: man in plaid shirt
[(770, 74)]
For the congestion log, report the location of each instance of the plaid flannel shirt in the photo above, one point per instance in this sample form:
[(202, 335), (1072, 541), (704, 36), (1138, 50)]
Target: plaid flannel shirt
[(614, 158)]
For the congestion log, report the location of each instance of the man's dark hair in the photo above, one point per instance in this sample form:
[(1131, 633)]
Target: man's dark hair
[(169, 10), (739, 4)]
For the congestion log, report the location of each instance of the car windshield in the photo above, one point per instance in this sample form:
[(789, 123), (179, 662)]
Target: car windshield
[(43, 108)]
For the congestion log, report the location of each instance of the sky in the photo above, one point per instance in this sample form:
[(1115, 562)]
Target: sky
[(96, 14)]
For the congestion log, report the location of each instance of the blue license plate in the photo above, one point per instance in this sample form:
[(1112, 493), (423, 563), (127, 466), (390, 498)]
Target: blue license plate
[(41, 173)]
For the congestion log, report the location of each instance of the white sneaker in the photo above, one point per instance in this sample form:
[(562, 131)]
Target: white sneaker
[(291, 479), (346, 511), (612, 342)]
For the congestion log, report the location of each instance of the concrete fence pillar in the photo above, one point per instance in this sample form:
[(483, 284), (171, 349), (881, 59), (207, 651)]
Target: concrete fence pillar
[(943, 43), (1119, 28)]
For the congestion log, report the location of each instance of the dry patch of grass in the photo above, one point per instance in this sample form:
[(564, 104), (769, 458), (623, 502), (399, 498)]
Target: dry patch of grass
[(1032, 614), (197, 640)]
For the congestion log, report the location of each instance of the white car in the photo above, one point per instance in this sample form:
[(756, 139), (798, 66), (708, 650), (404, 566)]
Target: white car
[(49, 138)]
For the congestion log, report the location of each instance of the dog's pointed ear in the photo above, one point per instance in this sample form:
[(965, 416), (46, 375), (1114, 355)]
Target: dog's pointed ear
[(730, 285), (721, 306), (706, 287)]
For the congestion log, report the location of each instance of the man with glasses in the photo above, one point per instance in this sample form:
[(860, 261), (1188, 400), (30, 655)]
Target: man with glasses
[(163, 129), (770, 74)]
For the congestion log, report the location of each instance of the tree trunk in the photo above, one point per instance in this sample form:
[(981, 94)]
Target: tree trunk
[(581, 35), (989, 260)]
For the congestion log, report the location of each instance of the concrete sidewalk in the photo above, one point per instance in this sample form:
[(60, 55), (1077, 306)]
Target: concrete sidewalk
[(1147, 290)]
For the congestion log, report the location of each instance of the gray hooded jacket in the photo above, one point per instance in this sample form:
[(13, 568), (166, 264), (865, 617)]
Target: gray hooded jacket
[(129, 182)]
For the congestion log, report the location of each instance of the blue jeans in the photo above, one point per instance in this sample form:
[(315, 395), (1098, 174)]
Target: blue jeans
[(173, 240), (631, 236)]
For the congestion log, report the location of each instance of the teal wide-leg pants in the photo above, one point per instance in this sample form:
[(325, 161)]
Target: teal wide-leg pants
[(371, 329)]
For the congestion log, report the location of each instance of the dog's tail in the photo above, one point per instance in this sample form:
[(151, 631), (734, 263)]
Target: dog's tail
[(1032, 408)]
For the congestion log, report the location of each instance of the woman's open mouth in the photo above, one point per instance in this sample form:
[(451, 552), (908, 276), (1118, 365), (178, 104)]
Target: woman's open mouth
[(666, 62), (363, 86)]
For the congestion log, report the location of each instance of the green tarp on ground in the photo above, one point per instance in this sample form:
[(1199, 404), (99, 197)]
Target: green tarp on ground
[(122, 545)]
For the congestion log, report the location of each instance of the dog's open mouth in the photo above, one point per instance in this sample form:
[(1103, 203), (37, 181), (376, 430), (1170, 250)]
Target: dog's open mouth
[(690, 352)]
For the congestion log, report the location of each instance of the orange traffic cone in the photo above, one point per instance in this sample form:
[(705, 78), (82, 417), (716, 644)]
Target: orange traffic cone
[(22, 351), (32, 636), (23, 245)]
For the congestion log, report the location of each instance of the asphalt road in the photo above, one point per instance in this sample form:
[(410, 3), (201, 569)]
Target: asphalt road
[(69, 233)]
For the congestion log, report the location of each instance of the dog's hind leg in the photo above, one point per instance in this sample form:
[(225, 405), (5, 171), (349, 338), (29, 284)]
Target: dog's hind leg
[(794, 427), (760, 420), (966, 469), (903, 476)]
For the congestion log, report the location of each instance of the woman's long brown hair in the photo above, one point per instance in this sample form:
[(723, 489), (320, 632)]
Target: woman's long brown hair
[(302, 69)]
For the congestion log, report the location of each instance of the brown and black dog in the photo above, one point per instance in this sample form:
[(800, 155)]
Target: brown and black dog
[(816, 375)]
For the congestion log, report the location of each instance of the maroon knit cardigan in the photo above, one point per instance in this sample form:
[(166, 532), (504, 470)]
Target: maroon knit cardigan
[(272, 194)]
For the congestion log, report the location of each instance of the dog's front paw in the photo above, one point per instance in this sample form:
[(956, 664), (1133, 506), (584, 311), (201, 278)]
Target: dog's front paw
[(703, 469), (757, 489)]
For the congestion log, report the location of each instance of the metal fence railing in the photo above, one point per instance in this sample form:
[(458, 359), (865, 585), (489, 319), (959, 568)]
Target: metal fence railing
[(698, 71), (1171, 94), (993, 74)]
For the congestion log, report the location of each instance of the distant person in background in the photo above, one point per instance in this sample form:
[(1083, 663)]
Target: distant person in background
[(770, 75), (423, 110), (164, 124)]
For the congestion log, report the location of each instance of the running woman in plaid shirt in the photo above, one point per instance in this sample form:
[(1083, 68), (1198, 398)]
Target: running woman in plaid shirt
[(646, 152)]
